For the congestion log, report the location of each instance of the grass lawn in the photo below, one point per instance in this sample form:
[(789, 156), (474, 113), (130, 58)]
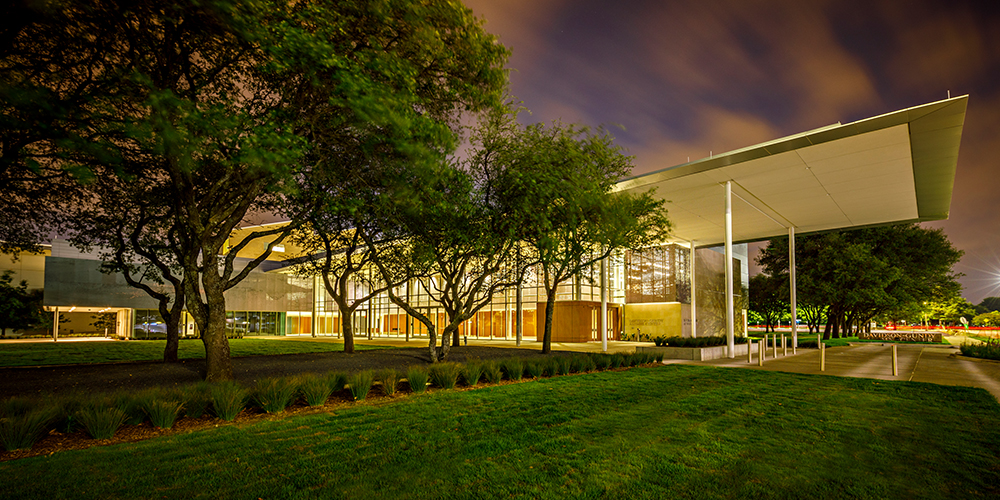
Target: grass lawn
[(665, 432), (843, 341), (64, 353)]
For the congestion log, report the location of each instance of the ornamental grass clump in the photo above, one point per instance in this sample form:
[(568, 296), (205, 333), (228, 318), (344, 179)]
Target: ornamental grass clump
[(228, 400), (617, 360), (275, 394), (163, 412), (20, 430), (989, 349), (576, 364), (417, 378), (513, 368), (472, 372), (534, 369), (196, 399), (603, 361), (587, 364), (315, 390), (389, 379), (659, 357), (563, 365), (492, 372), (445, 375), (101, 420), (133, 406), (360, 384), (337, 381)]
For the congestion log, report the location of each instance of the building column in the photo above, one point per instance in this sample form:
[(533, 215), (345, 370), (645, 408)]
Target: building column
[(694, 301), (604, 305), (791, 283), (55, 324), (520, 314), (730, 313)]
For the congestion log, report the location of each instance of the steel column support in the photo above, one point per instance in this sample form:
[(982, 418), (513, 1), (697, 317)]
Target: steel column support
[(791, 285), (730, 313)]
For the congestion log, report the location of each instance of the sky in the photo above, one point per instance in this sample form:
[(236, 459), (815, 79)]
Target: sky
[(678, 79)]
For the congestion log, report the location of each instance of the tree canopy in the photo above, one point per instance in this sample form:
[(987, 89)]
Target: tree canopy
[(860, 274)]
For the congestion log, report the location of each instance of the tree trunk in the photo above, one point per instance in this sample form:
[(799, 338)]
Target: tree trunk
[(173, 322), (454, 341), (550, 305), (448, 332), (347, 326), (218, 364)]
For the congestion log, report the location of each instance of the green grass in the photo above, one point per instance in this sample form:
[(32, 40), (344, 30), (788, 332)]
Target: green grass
[(69, 353), (843, 341), (665, 432)]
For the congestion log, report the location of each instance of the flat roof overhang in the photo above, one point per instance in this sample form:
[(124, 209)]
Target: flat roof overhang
[(895, 168)]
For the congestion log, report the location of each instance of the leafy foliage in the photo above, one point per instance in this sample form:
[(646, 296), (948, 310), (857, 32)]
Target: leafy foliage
[(417, 378), (360, 384), (228, 399)]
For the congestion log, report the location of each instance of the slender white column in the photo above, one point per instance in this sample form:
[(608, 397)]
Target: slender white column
[(604, 305), (694, 295), (730, 313), (55, 324), (520, 314), (791, 285)]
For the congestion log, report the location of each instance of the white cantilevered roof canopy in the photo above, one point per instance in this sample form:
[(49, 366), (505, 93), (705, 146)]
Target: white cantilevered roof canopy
[(893, 168)]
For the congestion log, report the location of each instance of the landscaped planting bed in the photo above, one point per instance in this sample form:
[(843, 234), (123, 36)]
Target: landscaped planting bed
[(66, 421)]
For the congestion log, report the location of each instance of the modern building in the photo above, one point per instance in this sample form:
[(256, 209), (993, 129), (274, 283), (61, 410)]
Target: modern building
[(893, 168)]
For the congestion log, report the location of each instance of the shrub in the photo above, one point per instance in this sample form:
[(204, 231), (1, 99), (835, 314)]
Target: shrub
[(228, 400), (360, 383), (315, 390), (20, 430), (812, 344), (101, 420), (389, 379), (163, 412), (275, 394), (492, 372), (472, 372), (551, 366), (575, 364), (659, 357), (587, 364), (65, 417), (534, 368), (513, 367), (989, 349), (444, 375), (417, 378), (337, 381)]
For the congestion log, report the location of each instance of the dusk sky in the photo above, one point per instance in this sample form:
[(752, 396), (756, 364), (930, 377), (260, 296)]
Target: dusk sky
[(686, 78)]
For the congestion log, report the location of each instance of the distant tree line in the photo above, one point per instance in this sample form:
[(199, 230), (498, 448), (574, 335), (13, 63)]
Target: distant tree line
[(846, 280)]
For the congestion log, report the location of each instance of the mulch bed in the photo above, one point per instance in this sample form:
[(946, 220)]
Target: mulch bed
[(110, 377)]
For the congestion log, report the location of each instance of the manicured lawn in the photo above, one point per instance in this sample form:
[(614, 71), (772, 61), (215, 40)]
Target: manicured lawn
[(64, 353), (665, 432)]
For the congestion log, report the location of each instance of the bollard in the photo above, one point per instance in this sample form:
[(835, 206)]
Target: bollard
[(822, 357), (760, 353), (749, 350), (895, 370), (784, 346), (795, 347), (774, 346)]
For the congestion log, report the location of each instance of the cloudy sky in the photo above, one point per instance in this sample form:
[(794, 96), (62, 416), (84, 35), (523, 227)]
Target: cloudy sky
[(687, 77)]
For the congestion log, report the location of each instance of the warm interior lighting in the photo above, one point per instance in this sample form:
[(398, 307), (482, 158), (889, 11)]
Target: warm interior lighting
[(279, 248)]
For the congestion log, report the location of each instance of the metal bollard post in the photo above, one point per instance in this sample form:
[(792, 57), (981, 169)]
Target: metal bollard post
[(760, 353), (784, 346), (749, 350), (795, 347), (895, 370), (822, 357), (774, 346)]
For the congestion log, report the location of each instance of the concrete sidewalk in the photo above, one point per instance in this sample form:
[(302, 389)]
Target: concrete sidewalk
[(918, 363), (526, 343)]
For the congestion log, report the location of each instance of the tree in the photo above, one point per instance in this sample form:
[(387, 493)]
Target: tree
[(767, 298), (991, 318), (864, 273), (950, 310), (18, 306), (988, 304), (228, 106), (571, 219), (104, 321)]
